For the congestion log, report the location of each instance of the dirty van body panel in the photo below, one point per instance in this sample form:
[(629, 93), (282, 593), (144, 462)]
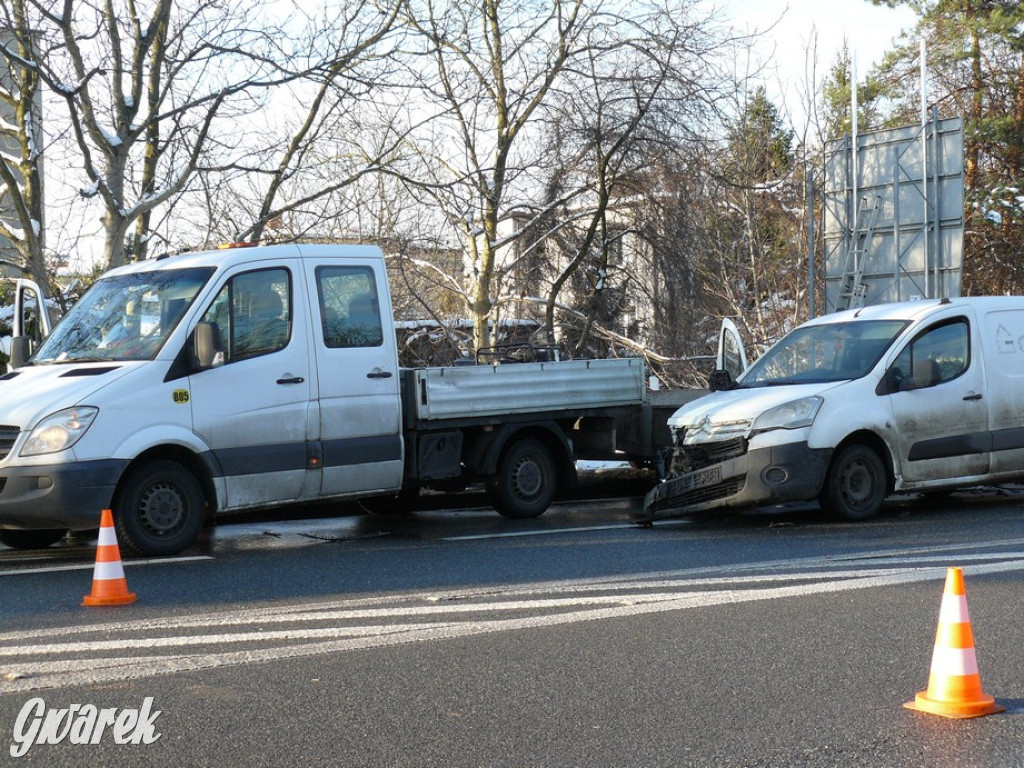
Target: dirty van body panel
[(942, 428), (1002, 341), (355, 353)]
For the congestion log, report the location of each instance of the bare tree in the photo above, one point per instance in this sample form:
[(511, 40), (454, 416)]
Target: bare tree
[(21, 142), (150, 88), (484, 69)]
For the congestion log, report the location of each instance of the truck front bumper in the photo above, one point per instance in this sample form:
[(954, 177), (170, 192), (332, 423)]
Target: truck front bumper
[(58, 495), (771, 475)]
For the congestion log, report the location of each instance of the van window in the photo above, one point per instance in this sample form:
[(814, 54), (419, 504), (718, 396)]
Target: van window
[(824, 352), (253, 314), (349, 308), (939, 354)]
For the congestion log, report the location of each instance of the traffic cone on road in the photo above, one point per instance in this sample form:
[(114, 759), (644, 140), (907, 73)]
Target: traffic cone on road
[(109, 586), (954, 685)]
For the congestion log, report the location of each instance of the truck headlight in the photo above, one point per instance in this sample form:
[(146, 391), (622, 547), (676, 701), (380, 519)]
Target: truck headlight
[(59, 430), (791, 415)]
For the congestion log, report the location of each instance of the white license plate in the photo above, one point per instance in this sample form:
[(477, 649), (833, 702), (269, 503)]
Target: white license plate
[(702, 478)]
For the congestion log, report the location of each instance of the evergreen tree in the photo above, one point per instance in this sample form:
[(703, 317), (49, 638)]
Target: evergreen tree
[(975, 67)]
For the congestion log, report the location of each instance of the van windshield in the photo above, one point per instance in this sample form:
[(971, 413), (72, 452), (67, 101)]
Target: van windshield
[(822, 353), (123, 317)]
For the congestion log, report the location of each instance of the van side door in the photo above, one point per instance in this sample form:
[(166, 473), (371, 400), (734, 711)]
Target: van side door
[(1002, 340), (354, 344), (937, 398), (253, 407)]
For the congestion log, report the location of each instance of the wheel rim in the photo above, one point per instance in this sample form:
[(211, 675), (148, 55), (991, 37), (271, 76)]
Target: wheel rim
[(527, 478), (858, 484), (162, 509)]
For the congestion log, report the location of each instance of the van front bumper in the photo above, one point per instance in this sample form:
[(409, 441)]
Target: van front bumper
[(762, 476), (58, 495)]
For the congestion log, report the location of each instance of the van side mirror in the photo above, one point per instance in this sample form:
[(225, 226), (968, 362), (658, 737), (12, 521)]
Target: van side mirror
[(720, 379), (21, 350), (208, 348)]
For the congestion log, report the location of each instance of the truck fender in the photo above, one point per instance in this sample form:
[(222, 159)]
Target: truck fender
[(158, 435), (182, 445), (547, 431)]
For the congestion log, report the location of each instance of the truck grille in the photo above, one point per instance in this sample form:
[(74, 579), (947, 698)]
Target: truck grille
[(7, 437), (702, 455)]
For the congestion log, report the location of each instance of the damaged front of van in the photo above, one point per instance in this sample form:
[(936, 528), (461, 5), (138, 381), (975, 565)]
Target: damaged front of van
[(771, 436)]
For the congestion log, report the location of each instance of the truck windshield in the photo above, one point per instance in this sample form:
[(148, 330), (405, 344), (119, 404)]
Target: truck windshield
[(822, 353), (123, 317)]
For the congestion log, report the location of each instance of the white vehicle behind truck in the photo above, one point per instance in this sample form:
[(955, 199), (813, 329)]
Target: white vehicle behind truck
[(916, 396), (182, 387)]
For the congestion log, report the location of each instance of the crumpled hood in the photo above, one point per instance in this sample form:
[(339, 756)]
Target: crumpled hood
[(33, 392), (736, 409)]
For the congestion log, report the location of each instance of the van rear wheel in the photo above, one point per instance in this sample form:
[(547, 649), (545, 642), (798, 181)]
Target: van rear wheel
[(525, 483), (158, 509), (855, 484)]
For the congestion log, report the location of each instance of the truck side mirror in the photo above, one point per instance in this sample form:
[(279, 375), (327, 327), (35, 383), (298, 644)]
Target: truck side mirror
[(21, 350), (207, 345), (720, 379)]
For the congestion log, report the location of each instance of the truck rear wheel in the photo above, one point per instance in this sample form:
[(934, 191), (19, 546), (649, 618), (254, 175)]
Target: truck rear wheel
[(525, 482), (31, 539), (158, 509), (855, 484)]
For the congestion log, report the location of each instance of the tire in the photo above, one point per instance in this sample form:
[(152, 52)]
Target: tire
[(398, 504), (526, 480), (31, 539), (158, 509), (855, 485)]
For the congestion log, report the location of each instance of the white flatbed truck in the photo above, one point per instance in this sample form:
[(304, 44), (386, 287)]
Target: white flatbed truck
[(191, 385)]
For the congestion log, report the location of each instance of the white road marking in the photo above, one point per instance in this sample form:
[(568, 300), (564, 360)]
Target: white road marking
[(90, 566), (79, 655), (545, 532)]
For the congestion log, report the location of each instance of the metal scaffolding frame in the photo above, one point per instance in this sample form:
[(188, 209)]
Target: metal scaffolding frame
[(909, 183)]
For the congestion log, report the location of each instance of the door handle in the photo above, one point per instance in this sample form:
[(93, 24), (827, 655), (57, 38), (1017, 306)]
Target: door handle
[(972, 396), (377, 373), (291, 380)]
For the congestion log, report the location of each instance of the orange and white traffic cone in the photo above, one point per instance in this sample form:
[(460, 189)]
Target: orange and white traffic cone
[(954, 685), (109, 586)]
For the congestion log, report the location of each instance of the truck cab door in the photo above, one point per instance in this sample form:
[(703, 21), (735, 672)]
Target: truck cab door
[(731, 358), (255, 407), (354, 344)]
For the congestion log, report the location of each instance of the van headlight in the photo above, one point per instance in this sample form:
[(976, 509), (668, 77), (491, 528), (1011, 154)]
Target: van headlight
[(59, 430), (791, 415)]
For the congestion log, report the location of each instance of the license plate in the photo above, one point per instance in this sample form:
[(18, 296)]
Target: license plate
[(702, 478)]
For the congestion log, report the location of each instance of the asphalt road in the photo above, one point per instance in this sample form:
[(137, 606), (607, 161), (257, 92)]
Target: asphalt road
[(457, 638)]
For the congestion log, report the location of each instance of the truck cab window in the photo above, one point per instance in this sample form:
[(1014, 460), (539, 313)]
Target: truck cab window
[(349, 308), (252, 314)]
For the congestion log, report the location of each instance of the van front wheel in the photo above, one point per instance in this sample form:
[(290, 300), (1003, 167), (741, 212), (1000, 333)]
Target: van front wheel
[(158, 509), (855, 484)]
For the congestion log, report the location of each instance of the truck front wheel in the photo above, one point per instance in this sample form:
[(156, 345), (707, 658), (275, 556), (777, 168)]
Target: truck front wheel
[(855, 484), (158, 509), (525, 482)]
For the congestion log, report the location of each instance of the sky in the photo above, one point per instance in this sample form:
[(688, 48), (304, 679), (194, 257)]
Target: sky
[(868, 29)]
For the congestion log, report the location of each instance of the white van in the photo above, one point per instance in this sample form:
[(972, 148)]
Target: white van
[(849, 407)]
